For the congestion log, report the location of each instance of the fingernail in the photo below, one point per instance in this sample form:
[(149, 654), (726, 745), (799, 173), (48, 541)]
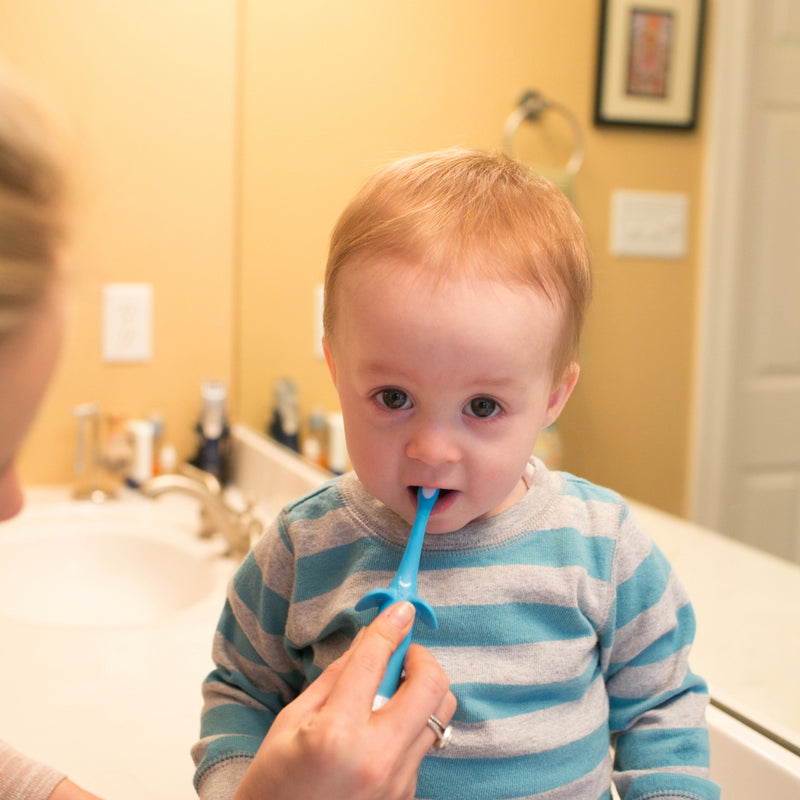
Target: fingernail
[(401, 613)]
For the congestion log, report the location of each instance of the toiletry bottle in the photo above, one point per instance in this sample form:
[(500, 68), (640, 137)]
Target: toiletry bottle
[(338, 460), (550, 448), (284, 426), (213, 448), (315, 442), (157, 421), (141, 439), (118, 451)]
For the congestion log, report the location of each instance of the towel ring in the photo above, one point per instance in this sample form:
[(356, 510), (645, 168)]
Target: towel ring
[(530, 107)]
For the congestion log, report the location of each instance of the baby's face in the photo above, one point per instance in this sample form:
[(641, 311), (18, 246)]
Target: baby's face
[(443, 385)]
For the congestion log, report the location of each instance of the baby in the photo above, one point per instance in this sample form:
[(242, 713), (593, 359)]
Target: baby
[(456, 288)]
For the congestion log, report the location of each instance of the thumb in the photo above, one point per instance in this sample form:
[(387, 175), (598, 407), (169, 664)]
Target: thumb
[(368, 657)]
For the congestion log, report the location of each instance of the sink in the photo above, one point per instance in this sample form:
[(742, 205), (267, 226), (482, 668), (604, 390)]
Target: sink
[(86, 566)]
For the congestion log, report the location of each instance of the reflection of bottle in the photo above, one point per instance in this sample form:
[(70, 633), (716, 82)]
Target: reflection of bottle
[(549, 447), (315, 442), (338, 461), (157, 421), (284, 426), (213, 449), (141, 467)]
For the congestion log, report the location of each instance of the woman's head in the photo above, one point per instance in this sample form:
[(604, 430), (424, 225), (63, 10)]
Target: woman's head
[(32, 188), (31, 204)]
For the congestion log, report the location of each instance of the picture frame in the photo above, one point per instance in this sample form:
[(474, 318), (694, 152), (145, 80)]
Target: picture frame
[(649, 56)]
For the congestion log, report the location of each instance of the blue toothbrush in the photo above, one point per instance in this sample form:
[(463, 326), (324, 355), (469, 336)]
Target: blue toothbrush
[(404, 587)]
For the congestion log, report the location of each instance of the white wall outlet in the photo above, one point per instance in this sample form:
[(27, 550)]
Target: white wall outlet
[(649, 224), (319, 300), (127, 322)]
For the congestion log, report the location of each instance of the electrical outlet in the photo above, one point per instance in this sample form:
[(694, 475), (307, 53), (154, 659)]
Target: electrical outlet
[(649, 224), (127, 322)]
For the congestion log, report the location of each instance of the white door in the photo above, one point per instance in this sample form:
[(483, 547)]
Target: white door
[(747, 470)]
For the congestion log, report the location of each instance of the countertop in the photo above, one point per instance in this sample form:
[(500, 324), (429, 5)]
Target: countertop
[(119, 708), (747, 604)]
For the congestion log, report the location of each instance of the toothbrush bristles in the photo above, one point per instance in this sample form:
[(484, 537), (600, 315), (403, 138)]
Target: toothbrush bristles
[(427, 492)]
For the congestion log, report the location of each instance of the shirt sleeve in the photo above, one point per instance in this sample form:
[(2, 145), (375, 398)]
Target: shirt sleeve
[(22, 778), (656, 703), (254, 675)]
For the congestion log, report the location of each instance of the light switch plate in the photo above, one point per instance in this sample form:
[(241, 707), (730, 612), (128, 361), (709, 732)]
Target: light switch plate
[(649, 224), (127, 322)]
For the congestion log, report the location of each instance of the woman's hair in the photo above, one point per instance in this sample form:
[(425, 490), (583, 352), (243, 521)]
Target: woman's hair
[(469, 212), (32, 189)]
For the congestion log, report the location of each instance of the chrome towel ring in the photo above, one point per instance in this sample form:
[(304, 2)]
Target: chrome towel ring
[(530, 107)]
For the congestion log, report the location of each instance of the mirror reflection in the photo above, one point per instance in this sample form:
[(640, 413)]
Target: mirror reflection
[(217, 144)]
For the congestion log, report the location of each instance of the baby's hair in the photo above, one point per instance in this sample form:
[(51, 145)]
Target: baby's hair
[(463, 212), (32, 189)]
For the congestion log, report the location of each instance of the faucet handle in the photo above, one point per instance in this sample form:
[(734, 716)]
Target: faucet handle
[(201, 476)]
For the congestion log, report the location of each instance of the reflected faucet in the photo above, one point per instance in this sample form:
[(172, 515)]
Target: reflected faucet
[(90, 482), (237, 526)]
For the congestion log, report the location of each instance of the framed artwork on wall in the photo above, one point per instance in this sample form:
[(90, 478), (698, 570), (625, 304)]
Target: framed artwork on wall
[(648, 63)]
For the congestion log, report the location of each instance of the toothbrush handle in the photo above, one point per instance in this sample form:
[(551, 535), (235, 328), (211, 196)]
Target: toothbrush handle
[(383, 598), (391, 678), (404, 587)]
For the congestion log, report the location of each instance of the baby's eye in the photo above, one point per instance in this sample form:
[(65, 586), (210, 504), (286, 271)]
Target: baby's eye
[(395, 399), (482, 407)]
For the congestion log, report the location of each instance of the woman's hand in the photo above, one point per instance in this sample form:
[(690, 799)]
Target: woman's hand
[(67, 790), (329, 743)]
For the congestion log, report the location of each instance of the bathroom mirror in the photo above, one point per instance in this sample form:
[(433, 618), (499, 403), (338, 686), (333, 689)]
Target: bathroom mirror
[(218, 142)]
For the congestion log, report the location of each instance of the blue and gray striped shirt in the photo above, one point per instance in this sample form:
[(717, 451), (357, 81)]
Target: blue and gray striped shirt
[(562, 628)]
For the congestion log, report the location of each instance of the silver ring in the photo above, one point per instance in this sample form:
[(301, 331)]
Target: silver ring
[(443, 734)]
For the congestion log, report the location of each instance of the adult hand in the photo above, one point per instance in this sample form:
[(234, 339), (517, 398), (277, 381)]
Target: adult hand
[(329, 743), (67, 790)]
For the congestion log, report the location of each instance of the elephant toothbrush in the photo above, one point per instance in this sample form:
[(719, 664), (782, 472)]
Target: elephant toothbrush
[(404, 587)]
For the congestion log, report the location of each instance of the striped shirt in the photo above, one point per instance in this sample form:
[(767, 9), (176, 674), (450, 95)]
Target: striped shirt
[(562, 629)]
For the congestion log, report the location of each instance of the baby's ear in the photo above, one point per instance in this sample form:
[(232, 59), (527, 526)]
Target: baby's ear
[(562, 389)]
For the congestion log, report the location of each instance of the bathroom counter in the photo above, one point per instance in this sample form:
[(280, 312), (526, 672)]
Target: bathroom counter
[(118, 709), (747, 604)]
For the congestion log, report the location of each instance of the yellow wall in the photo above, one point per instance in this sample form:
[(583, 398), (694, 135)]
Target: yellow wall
[(190, 196), (332, 90), (148, 87)]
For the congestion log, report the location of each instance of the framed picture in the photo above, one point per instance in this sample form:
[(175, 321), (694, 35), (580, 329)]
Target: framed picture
[(648, 63)]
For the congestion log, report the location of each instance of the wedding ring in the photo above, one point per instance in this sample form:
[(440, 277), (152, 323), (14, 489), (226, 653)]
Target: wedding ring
[(443, 734)]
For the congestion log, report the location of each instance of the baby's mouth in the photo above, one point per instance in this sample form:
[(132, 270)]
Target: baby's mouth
[(414, 490)]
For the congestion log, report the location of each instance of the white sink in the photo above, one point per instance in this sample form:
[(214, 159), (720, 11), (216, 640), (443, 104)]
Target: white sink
[(79, 565), (107, 614)]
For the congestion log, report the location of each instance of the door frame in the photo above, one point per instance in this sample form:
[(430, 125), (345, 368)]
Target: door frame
[(721, 249)]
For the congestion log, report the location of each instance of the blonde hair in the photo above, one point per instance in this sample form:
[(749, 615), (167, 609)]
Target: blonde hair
[(460, 210), (32, 189)]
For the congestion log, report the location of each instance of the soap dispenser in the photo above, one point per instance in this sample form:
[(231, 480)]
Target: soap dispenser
[(213, 434)]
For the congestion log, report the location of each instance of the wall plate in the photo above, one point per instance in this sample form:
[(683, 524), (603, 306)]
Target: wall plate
[(127, 322), (649, 224)]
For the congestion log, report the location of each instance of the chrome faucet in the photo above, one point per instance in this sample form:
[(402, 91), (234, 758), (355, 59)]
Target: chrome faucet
[(237, 526)]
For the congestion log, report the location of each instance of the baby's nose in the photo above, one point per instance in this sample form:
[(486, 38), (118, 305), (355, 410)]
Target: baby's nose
[(433, 446)]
